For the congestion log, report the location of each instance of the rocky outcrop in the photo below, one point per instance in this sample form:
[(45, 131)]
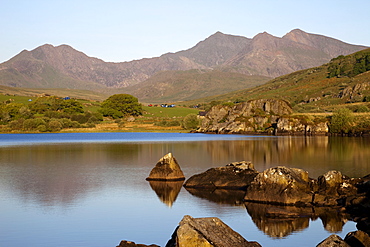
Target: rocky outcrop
[(206, 232), (281, 185), (299, 126), (263, 116), (292, 186), (167, 169), (352, 92), (236, 175)]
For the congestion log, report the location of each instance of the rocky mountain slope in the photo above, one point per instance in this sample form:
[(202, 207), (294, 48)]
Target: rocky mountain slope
[(342, 81), (264, 55)]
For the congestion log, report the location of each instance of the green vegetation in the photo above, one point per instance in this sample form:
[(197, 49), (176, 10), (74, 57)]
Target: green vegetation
[(341, 121), (350, 66), (190, 122), (53, 114), (120, 105), (46, 114), (310, 90)]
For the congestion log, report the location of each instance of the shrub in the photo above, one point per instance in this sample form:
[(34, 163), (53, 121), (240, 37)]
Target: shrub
[(170, 123), (190, 121), (16, 124), (55, 126), (341, 121), (362, 108), (33, 123), (42, 128)]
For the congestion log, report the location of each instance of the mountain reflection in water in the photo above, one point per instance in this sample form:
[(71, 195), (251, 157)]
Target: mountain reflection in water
[(65, 193)]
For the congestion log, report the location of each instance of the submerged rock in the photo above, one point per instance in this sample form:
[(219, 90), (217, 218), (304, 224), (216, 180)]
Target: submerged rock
[(167, 169), (237, 175), (206, 232), (125, 243)]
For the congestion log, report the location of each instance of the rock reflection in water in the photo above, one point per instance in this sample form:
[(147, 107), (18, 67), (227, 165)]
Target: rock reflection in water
[(221, 196), (281, 221), (167, 191)]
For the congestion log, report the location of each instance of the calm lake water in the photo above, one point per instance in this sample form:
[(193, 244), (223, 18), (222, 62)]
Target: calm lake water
[(89, 189)]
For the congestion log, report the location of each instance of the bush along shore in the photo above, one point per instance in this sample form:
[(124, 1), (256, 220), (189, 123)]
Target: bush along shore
[(276, 117), (272, 197)]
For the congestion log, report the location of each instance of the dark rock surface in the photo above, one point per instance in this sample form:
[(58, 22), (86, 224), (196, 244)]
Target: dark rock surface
[(125, 243), (236, 175), (333, 241), (167, 169)]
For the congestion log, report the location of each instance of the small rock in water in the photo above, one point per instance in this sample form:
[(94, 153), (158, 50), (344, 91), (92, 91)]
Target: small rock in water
[(167, 169)]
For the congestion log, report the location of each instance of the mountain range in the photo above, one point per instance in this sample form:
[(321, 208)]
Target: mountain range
[(220, 63)]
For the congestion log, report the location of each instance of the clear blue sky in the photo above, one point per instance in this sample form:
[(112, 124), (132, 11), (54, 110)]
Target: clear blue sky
[(122, 30)]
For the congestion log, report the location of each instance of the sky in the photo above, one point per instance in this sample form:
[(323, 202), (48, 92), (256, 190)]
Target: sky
[(123, 30)]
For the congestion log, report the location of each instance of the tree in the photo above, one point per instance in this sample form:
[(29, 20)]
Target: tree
[(55, 104), (341, 121), (120, 105), (190, 121)]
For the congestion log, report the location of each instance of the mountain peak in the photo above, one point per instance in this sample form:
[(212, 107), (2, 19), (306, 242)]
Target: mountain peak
[(265, 54), (263, 35)]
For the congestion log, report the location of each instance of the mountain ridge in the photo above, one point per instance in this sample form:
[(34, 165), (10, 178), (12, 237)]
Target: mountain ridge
[(264, 55)]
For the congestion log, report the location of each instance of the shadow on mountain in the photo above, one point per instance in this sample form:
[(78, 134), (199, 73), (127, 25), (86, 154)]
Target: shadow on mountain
[(166, 191)]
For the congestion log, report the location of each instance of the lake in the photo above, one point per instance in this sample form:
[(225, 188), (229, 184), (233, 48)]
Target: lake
[(89, 189)]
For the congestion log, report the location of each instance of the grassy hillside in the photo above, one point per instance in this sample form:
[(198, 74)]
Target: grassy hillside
[(315, 89), (33, 92), (173, 86)]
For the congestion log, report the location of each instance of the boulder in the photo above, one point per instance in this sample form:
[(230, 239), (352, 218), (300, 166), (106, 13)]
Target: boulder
[(335, 189), (206, 232), (330, 182), (125, 243), (237, 175), (281, 185), (333, 241), (358, 238), (167, 169)]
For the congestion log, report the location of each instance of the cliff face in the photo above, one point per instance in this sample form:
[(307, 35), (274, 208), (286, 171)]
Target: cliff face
[(263, 116)]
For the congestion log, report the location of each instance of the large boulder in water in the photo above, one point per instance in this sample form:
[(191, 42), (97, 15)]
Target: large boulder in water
[(167, 169), (236, 175), (281, 185), (206, 232), (333, 241)]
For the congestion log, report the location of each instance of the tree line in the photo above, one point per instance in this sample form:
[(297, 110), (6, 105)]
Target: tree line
[(51, 114)]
